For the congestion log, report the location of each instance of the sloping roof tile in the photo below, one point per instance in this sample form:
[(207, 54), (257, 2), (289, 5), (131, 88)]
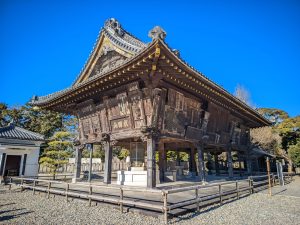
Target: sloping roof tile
[(14, 132)]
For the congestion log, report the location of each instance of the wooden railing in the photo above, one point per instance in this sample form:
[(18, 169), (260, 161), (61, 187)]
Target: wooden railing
[(166, 199)]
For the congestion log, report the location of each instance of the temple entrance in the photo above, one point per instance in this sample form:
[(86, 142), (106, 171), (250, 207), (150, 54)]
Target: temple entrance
[(12, 165)]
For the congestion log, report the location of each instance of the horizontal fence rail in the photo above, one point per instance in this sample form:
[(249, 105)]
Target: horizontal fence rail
[(159, 200)]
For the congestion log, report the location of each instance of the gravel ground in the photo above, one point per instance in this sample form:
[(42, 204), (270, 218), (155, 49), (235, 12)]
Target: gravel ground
[(24, 208)]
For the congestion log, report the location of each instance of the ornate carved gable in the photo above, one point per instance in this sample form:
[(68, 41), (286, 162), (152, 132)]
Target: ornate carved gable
[(108, 59)]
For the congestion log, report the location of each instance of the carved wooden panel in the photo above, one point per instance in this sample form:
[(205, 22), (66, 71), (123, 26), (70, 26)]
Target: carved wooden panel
[(193, 133), (137, 113), (148, 110), (104, 121), (174, 121), (96, 124), (179, 101), (86, 126), (120, 124), (86, 108), (181, 112), (123, 106), (108, 59), (133, 86), (172, 98)]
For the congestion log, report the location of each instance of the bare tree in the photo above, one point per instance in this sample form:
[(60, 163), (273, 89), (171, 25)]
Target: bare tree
[(242, 94)]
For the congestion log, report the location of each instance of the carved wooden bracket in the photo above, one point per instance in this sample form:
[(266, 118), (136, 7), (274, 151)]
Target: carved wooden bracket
[(150, 132), (105, 137)]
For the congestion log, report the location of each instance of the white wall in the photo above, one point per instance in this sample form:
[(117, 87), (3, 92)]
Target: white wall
[(32, 166)]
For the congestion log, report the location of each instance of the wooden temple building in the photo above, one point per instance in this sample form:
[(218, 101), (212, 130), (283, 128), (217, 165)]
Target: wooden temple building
[(144, 97)]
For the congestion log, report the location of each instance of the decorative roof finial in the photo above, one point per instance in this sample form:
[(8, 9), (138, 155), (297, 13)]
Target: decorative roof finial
[(34, 98), (157, 33), (114, 25)]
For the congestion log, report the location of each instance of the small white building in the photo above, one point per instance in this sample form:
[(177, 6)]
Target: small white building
[(19, 151)]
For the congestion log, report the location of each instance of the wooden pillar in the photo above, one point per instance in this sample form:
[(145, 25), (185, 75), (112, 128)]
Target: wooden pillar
[(201, 168), (177, 157), (240, 164), (249, 165), (217, 168), (209, 165), (151, 165), (229, 161), (90, 162), (162, 161), (78, 156), (108, 159), (192, 162)]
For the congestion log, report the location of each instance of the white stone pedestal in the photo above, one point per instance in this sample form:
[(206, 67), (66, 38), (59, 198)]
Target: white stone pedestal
[(133, 178)]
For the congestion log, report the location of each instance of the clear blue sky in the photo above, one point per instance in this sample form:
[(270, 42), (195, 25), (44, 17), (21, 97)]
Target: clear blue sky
[(44, 44)]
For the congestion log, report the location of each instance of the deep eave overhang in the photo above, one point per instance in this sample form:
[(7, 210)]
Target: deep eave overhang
[(131, 70), (200, 84), (134, 68)]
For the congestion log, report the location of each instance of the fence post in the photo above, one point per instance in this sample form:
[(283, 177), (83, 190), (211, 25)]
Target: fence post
[(67, 189), (10, 182), (22, 182), (33, 188), (250, 185), (237, 189), (49, 186), (197, 197), (165, 207), (121, 200), (90, 197), (221, 194)]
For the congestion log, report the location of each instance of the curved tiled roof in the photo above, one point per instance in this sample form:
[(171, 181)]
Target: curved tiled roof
[(13, 132), (126, 41)]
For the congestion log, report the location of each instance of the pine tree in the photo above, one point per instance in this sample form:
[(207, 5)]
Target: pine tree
[(58, 151)]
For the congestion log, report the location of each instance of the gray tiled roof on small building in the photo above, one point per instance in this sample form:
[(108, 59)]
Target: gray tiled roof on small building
[(14, 132)]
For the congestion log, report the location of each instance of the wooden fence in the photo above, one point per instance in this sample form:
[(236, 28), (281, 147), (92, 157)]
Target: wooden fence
[(164, 200)]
